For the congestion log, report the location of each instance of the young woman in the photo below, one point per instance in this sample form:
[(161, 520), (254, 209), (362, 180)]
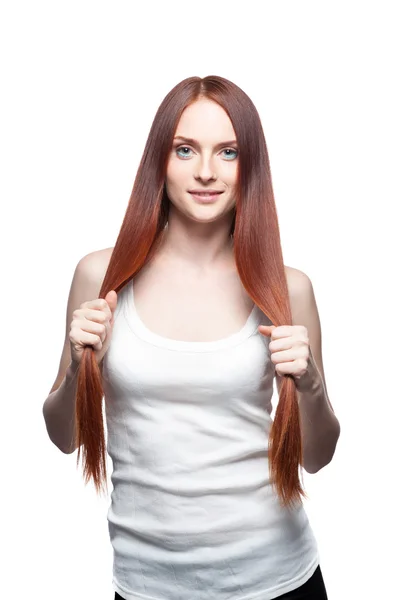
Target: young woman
[(182, 327)]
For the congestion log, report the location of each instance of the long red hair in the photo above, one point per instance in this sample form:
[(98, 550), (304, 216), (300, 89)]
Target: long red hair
[(258, 257)]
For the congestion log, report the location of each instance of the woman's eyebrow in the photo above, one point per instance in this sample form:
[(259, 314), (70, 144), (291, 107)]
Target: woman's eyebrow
[(196, 143)]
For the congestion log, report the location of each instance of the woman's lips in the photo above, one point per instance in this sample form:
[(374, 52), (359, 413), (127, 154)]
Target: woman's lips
[(205, 198)]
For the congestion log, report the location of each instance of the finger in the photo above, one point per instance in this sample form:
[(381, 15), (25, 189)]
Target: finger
[(285, 368), (279, 332), (280, 344), (97, 315), (94, 328), (266, 329), (282, 357), (112, 300)]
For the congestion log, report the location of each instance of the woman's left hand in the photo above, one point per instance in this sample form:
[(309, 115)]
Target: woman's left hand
[(289, 348)]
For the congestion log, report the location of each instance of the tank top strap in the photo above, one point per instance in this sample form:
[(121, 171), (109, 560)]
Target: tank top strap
[(122, 299)]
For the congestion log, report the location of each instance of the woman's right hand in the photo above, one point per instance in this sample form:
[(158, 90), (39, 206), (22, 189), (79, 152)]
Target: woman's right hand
[(92, 325)]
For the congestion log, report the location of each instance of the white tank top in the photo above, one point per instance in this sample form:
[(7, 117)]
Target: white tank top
[(193, 515)]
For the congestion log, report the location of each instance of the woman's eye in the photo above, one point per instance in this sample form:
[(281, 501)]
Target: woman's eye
[(182, 148), (233, 150)]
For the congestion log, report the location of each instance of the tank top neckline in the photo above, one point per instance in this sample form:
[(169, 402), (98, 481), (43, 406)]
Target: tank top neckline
[(142, 331)]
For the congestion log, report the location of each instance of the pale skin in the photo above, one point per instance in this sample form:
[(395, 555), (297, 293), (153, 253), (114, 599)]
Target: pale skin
[(297, 350), (183, 293)]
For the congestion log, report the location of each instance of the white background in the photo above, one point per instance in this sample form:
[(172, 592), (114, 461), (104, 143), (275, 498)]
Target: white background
[(81, 82)]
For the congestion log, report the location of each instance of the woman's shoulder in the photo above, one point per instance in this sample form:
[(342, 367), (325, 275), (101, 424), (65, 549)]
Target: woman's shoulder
[(98, 260), (96, 264), (296, 279), (299, 286)]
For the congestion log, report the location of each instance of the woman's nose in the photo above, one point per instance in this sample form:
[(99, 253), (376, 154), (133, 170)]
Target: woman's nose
[(206, 170)]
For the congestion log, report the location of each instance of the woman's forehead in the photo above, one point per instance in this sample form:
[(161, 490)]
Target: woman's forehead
[(207, 122)]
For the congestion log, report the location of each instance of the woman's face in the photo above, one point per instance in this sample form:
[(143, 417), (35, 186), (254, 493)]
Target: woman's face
[(209, 163)]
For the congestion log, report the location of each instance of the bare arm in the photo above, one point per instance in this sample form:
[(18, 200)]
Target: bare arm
[(319, 425), (59, 406), (59, 412)]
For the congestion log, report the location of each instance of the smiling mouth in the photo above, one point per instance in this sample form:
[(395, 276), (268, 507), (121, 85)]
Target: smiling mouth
[(206, 194), (206, 198)]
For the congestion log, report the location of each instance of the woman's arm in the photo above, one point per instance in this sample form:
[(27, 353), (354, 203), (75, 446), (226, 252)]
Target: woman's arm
[(320, 427)]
